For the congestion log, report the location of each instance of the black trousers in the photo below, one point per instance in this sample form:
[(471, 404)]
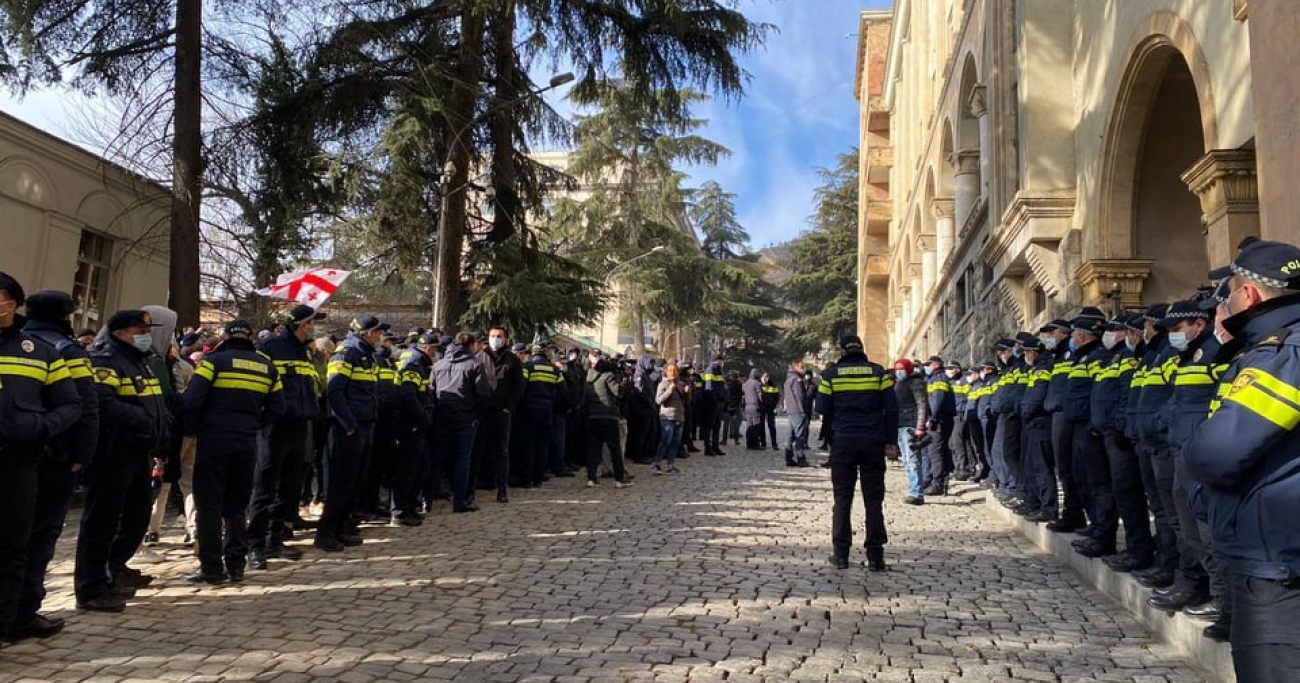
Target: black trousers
[(769, 419), (1265, 631), (535, 438), (1040, 482), (1072, 504), (493, 457), (1192, 572), (601, 434), (347, 463), (711, 422), (638, 437), (55, 483), (959, 445), (1130, 497), (223, 483), (940, 452), (1008, 442), (18, 494), (408, 470), (113, 521), (277, 480), (1158, 481), (855, 460), (1092, 468)]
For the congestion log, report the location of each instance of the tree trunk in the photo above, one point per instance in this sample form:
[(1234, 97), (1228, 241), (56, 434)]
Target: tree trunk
[(187, 164), (638, 329), (451, 239), (505, 213)]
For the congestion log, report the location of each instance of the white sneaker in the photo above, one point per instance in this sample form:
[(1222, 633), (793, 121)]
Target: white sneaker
[(622, 484), (591, 484), (148, 556)]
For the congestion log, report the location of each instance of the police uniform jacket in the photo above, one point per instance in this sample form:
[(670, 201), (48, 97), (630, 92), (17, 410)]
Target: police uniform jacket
[(543, 386), (1155, 387), (1038, 383), (858, 397), (1196, 381), (1247, 454), (1089, 360), (385, 381), (298, 375), (76, 446), (1135, 379), (234, 393), (415, 399), (984, 404), (133, 415), (714, 382), (794, 394), (1108, 409), (939, 396), (351, 384), (1010, 387), (771, 397), (38, 399), (1062, 361), (960, 393)]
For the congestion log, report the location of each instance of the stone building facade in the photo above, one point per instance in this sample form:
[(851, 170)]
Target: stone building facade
[(1021, 158)]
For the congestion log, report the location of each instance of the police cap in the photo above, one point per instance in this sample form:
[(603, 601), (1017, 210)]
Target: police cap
[(519, 348), (1032, 344), (302, 313), (1091, 312), (1117, 324), (851, 342), (1218, 296), (1156, 313), (1136, 323), (1189, 309), (364, 323), (1275, 264), (934, 359), (445, 340), (1087, 323), (50, 306), (1059, 324), (1005, 345), (953, 365), (191, 339), (1024, 338), (239, 328), (130, 318), (11, 287)]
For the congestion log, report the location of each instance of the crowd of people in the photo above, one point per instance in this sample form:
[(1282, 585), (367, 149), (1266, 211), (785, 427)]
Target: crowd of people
[(263, 435)]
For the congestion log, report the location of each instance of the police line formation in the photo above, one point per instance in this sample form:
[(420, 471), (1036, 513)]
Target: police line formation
[(1177, 423)]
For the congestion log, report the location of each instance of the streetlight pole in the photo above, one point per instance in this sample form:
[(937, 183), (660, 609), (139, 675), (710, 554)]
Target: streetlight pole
[(445, 250), (609, 274)]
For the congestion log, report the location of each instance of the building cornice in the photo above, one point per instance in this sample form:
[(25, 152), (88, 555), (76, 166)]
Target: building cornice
[(26, 136), (903, 16), (865, 18)]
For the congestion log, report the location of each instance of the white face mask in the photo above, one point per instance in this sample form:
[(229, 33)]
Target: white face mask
[(497, 343), (1221, 337), (1178, 340), (954, 374), (1049, 342), (1131, 343), (1109, 339)]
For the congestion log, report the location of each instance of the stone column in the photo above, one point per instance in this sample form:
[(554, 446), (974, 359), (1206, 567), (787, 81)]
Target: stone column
[(945, 227), (978, 104), (1224, 180), (966, 184), (929, 267), (1275, 92)]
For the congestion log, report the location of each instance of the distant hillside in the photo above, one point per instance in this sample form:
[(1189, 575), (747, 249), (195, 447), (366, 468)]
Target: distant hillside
[(775, 258)]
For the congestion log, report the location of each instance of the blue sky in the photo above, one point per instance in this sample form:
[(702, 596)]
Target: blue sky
[(798, 114)]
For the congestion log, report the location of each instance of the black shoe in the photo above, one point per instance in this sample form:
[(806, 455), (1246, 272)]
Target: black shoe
[(256, 559), (350, 540), (1085, 530), (1064, 526), (122, 592), (465, 508), (876, 561), (235, 575), (566, 474), (803, 462), (1210, 611), (825, 464), (1126, 563), (1090, 548), (1154, 578), (791, 463), (106, 603), (1167, 590), (1177, 600), (692, 449), (930, 491), (839, 562), (1219, 630), (150, 538), (204, 577), (40, 626), (1040, 517), (328, 543), (776, 448), (285, 551), (133, 578), (503, 497), (914, 500)]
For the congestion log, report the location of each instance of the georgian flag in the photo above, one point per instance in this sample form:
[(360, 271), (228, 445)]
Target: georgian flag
[(312, 287)]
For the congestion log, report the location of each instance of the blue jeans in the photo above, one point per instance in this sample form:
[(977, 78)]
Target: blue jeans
[(455, 443), (670, 441), (798, 436), (916, 465)]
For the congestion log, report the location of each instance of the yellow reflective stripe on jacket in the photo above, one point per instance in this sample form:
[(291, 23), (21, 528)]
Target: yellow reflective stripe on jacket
[(771, 390), (935, 387), (1193, 375), (79, 368), (1043, 375), (1062, 367), (1267, 396), (150, 387), (338, 367), (14, 366), (205, 370), (363, 374), (962, 389), (713, 378), (295, 367)]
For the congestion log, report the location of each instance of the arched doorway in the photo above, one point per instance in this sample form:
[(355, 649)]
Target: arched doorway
[(1166, 215)]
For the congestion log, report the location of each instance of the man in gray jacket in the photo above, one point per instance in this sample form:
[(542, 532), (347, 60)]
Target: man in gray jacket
[(463, 390), (796, 407), (752, 393)]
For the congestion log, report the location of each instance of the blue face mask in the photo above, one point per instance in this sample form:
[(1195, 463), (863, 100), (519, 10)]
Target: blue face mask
[(142, 342), (1015, 352), (900, 375), (928, 371), (1073, 346)]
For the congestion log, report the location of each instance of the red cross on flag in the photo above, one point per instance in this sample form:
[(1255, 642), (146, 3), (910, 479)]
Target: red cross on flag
[(312, 287)]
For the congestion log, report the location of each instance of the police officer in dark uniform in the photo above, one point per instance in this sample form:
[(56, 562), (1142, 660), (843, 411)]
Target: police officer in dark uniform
[(1091, 467), (1055, 337), (65, 455), (712, 398), (277, 480), (858, 396), (413, 421), (133, 428), (234, 394), (1006, 404), (384, 446), (38, 402), (1247, 458), (960, 445), (943, 413), (542, 388), (1041, 503), (352, 395), (771, 399)]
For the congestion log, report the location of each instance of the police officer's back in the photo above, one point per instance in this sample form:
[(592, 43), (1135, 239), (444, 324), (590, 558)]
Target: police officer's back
[(857, 395)]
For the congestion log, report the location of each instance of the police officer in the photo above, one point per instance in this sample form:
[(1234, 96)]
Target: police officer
[(234, 394), (353, 398), (1091, 466), (1006, 405), (858, 396), (413, 421), (1055, 337), (712, 399), (943, 412), (65, 455), (133, 428), (384, 444), (1246, 456), (39, 402), (771, 400), (978, 416), (277, 479), (542, 386), (1041, 503), (962, 453)]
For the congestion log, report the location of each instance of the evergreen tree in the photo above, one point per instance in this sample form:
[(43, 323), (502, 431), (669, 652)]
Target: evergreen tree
[(714, 215)]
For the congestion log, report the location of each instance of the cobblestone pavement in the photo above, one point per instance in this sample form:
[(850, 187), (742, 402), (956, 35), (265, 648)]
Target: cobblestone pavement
[(717, 574)]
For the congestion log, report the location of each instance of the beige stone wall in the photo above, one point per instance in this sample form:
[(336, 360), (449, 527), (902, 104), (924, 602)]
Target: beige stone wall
[(51, 191), (1018, 187)]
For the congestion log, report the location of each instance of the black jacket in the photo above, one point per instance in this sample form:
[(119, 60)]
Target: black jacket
[(415, 401), (543, 386), (77, 444), (604, 394), (133, 416), (297, 373), (505, 375), (858, 397), (38, 399), (913, 408), (234, 393)]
